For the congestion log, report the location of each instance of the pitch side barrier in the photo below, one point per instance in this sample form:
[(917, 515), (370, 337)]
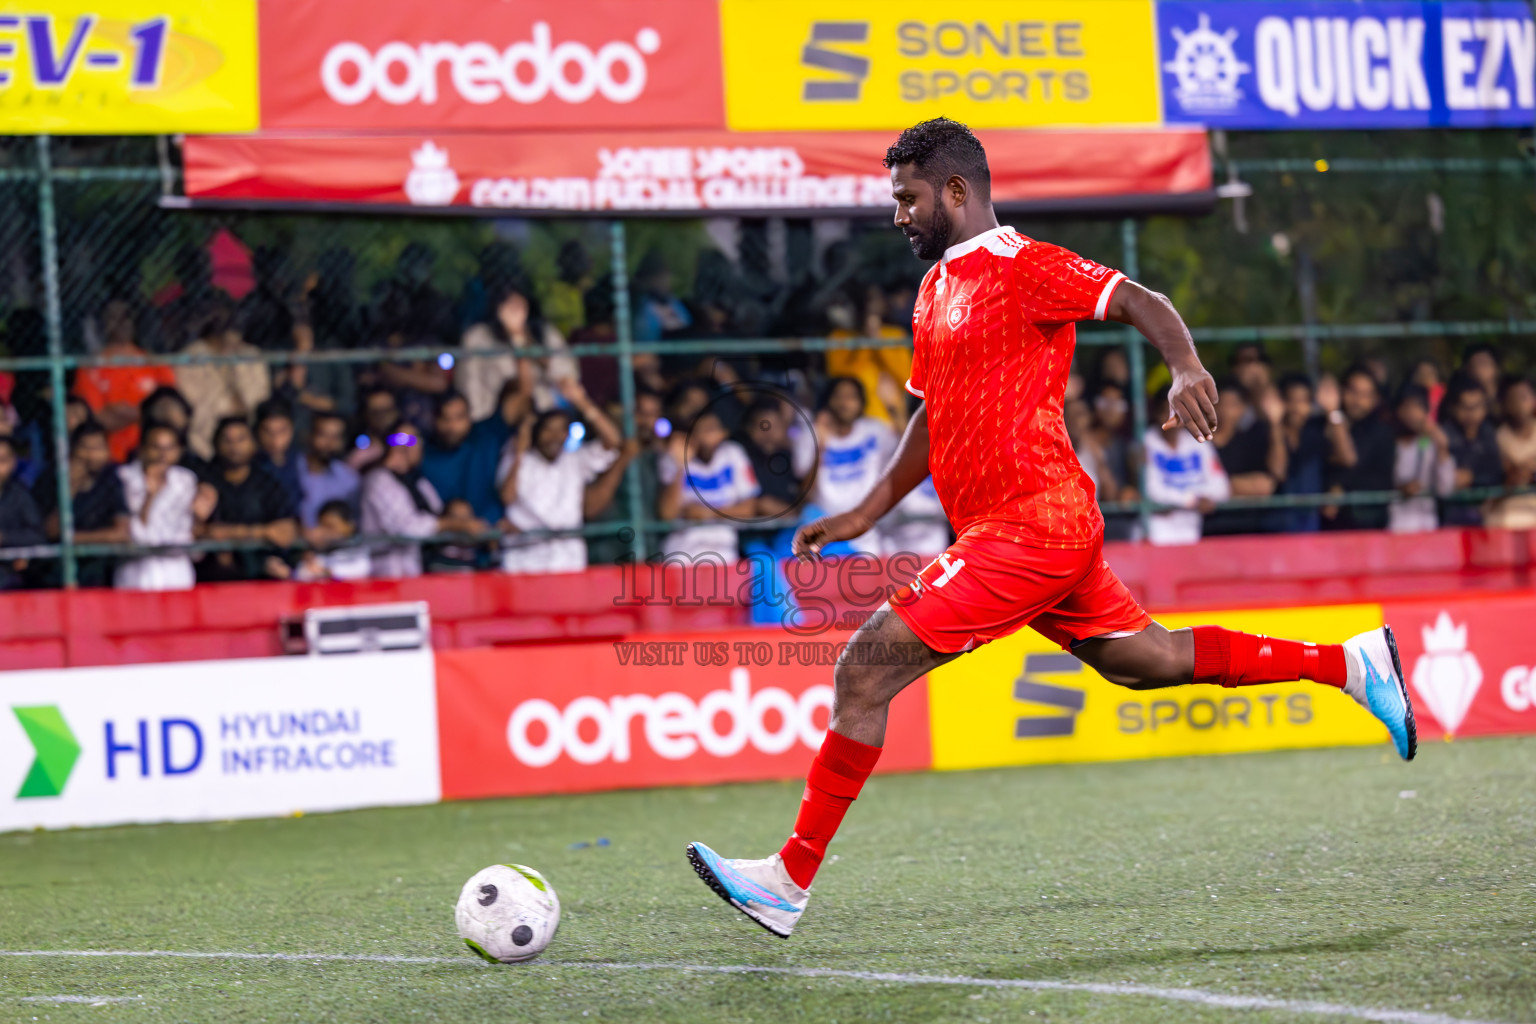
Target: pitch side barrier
[(99, 746), (806, 598), (95, 626)]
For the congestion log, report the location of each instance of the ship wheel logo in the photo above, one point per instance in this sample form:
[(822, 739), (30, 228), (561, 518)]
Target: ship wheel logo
[(1206, 67)]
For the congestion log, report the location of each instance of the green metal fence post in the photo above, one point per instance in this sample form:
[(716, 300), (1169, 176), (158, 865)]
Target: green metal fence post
[(53, 315), (1136, 355), (623, 328)]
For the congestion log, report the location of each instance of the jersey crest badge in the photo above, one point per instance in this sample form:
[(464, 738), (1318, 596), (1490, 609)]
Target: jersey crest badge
[(958, 311)]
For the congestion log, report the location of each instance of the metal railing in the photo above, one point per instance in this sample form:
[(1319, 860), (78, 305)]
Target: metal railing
[(638, 520)]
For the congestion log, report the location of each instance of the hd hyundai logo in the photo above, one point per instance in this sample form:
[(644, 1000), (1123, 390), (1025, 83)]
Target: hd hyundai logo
[(853, 68), (1066, 698)]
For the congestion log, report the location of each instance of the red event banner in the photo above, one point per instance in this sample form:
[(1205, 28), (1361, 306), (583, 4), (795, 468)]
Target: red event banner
[(649, 711), (477, 65), (1470, 663), (672, 171)]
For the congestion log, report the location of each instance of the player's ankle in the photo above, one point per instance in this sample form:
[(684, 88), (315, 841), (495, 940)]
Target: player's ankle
[(801, 861)]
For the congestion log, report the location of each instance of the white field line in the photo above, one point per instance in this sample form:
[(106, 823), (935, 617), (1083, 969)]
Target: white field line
[(92, 1000), (1182, 995)]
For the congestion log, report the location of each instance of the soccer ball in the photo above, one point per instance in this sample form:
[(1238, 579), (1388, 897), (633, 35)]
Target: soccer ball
[(507, 913)]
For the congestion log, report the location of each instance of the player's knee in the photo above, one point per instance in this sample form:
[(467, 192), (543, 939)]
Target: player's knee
[(1144, 666), (856, 685), (1152, 673)]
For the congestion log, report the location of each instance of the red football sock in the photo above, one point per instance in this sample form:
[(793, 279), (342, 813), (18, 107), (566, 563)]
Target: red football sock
[(1242, 659), (835, 778)]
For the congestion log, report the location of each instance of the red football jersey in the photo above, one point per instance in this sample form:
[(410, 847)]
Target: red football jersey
[(992, 339)]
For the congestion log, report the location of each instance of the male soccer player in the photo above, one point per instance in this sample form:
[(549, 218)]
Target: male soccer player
[(993, 334)]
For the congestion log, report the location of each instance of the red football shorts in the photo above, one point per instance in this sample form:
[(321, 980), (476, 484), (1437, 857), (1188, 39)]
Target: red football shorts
[(987, 586)]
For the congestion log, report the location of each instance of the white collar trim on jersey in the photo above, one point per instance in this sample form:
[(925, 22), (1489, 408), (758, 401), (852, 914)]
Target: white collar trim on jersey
[(972, 244)]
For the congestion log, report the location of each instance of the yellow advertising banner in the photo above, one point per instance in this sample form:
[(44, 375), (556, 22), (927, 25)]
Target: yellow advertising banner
[(852, 64), (122, 67), (1023, 700)]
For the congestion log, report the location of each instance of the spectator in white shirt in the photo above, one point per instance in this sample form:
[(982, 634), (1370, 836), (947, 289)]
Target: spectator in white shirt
[(164, 502), (398, 501), (335, 525), (1423, 467), (847, 456), (902, 532), (550, 481), (515, 323), (707, 478), (1182, 472)]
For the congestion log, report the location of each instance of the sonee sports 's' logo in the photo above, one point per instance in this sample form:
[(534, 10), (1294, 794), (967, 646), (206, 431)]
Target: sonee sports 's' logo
[(815, 55), (1066, 698), (57, 751)]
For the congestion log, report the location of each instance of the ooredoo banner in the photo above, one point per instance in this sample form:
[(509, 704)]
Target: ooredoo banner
[(650, 711), (1470, 662), (397, 65), (204, 741), (672, 171)]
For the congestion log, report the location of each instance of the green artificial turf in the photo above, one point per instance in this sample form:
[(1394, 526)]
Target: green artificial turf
[(1300, 876)]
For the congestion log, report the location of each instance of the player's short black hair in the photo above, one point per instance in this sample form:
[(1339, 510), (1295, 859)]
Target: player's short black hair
[(940, 148)]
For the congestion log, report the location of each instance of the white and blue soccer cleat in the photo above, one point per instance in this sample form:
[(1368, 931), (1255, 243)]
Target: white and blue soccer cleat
[(760, 889), (1376, 681)]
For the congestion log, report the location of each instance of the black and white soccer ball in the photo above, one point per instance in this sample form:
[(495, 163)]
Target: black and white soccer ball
[(507, 913)]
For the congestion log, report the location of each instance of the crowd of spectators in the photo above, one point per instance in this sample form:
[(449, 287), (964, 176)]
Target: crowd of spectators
[(1417, 442), (344, 470)]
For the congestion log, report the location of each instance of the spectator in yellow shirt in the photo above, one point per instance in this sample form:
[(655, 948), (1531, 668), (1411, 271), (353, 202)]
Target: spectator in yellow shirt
[(882, 371)]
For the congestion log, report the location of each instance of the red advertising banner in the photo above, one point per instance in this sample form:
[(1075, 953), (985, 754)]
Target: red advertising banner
[(652, 711), (473, 65), (673, 171), (1470, 663)]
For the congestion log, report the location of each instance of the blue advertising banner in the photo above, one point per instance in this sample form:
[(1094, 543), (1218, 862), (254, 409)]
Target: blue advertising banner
[(1371, 64)]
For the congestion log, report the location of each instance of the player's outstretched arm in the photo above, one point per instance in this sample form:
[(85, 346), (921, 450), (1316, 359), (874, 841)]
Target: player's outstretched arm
[(908, 468), (1192, 396)]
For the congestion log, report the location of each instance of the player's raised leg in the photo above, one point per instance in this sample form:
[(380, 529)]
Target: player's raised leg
[(773, 891), (1366, 667)]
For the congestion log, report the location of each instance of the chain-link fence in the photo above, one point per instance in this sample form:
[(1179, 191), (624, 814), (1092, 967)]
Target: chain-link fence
[(239, 395)]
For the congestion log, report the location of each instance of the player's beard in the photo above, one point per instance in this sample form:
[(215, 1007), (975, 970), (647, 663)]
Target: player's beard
[(928, 241)]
